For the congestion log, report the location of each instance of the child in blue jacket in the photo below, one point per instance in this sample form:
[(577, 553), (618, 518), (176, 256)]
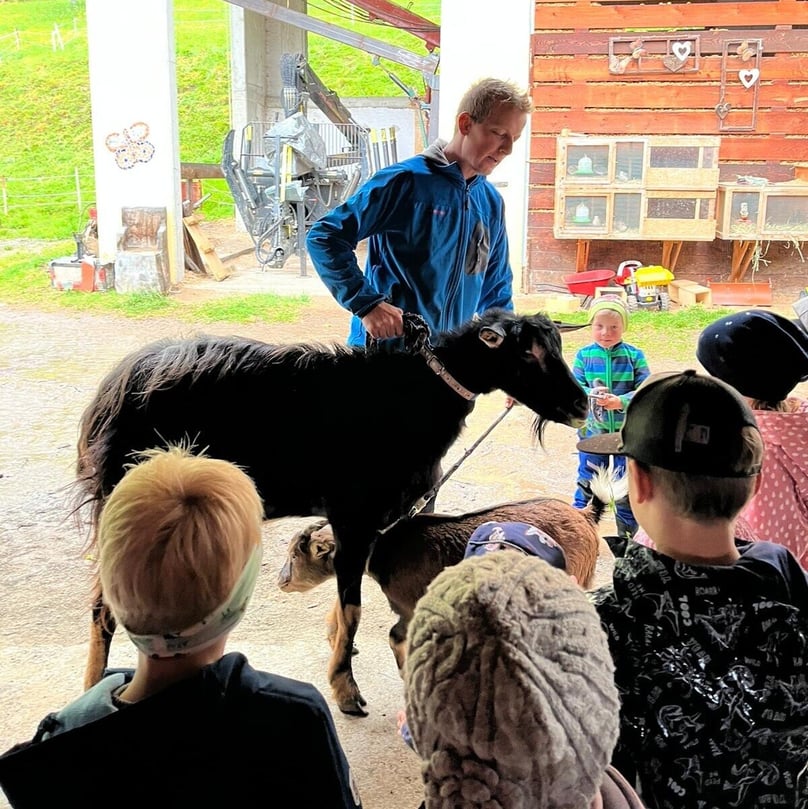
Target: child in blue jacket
[(609, 370)]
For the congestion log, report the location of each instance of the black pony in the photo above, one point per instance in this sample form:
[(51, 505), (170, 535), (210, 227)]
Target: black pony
[(351, 435)]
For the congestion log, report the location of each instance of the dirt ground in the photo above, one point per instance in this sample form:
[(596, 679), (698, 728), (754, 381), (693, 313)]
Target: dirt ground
[(50, 366)]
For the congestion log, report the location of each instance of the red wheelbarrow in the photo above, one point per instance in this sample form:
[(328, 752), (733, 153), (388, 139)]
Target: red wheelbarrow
[(585, 283)]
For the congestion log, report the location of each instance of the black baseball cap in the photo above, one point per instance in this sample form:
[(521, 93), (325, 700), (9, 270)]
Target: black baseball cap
[(684, 422)]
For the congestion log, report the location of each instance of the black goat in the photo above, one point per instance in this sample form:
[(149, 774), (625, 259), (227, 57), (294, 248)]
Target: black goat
[(354, 436)]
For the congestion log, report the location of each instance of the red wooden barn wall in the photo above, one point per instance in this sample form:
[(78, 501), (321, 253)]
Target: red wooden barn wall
[(573, 89)]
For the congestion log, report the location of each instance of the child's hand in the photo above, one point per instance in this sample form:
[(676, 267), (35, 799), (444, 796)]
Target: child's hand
[(608, 401)]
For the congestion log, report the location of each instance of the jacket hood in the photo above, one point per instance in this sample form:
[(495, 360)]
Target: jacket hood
[(435, 152)]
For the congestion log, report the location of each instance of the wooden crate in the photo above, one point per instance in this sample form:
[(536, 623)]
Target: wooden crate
[(618, 292), (590, 213), (583, 160), (684, 162), (679, 215), (774, 212), (687, 162), (656, 187), (689, 293), (559, 302)]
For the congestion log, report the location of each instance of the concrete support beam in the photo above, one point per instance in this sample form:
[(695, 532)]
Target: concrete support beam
[(471, 50), (133, 93)]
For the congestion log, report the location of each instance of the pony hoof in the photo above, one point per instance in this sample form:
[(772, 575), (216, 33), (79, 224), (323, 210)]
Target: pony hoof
[(353, 707), (350, 700)]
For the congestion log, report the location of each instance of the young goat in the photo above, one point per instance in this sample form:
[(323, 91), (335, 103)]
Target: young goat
[(406, 559)]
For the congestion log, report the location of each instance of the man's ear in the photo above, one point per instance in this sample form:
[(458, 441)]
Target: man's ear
[(464, 123)]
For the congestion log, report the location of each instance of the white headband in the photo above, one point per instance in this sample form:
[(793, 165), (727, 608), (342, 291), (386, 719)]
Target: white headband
[(209, 629)]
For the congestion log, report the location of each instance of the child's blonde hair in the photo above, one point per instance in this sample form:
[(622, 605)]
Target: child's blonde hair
[(174, 537)]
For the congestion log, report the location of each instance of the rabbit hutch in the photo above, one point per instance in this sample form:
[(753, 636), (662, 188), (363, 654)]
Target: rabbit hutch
[(645, 145)]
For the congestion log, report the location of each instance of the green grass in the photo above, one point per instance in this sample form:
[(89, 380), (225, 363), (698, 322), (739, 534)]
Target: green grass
[(669, 335), (350, 71), (45, 95), (24, 280)]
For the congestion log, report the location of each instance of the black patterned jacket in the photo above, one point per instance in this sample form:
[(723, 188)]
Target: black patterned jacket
[(712, 667)]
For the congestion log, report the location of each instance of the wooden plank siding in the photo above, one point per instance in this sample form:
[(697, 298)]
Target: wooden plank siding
[(573, 89)]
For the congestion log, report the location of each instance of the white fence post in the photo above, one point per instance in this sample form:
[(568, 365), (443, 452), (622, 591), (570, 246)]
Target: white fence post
[(78, 187), (56, 39)]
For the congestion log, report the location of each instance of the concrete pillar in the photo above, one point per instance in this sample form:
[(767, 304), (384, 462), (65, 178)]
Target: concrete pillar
[(500, 47), (248, 74), (133, 92), (256, 45)]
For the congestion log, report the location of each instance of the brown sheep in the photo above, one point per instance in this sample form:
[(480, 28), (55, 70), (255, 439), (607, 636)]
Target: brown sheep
[(406, 559)]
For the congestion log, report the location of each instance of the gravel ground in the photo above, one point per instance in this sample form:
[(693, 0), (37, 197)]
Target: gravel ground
[(50, 366)]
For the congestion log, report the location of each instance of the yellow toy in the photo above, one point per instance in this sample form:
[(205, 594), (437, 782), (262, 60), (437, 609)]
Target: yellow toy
[(646, 287)]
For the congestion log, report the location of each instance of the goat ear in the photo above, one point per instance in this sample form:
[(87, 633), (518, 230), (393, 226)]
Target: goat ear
[(322, 548), (493, 335), (569, 326)]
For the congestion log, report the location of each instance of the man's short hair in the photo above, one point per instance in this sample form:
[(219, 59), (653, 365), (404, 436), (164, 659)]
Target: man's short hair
[(481, 98), (174, 537)]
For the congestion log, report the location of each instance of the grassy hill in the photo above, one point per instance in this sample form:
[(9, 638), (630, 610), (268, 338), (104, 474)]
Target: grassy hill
[(46, 164)]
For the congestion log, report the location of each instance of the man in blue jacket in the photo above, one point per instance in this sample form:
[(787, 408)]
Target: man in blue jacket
[(436, 227)]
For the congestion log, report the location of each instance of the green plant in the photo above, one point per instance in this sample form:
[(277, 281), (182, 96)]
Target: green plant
[(24, 280)]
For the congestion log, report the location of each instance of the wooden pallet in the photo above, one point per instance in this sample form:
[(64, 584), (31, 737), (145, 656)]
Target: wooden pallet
[(211, 262)]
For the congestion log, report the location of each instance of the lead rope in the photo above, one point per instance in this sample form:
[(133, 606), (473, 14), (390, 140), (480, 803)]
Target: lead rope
[(421, 502), (416, 339)]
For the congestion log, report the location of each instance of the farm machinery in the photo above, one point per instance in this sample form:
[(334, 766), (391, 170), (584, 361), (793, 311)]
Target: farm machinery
[(287, 174), (284, 184)]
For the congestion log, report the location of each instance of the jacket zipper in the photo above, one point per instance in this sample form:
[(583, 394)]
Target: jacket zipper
[(461, 258)]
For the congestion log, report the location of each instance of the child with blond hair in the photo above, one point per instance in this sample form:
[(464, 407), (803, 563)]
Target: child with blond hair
[(609, 370), (179, 544)]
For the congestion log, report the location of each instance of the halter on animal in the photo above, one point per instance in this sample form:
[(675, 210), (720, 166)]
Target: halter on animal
[(416, 338)]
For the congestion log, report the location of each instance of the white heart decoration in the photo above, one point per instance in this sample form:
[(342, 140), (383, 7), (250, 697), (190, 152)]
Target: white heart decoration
[(681, 50), (749, 77)]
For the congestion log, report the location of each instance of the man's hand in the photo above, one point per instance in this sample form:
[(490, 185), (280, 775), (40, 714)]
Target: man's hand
[(383, 321)]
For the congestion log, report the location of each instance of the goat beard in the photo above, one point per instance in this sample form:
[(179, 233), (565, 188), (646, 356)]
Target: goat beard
[(537, 430)]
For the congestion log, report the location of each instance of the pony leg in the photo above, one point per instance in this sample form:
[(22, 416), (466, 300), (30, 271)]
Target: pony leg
[(398, 642), (347, 612), (331, 626), (102, 628)]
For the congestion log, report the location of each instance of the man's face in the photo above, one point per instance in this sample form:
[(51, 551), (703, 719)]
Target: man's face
[(487, 143)]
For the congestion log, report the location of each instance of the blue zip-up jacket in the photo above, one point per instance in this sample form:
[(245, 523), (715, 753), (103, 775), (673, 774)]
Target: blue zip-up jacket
[(437, 245), (621, 368)]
